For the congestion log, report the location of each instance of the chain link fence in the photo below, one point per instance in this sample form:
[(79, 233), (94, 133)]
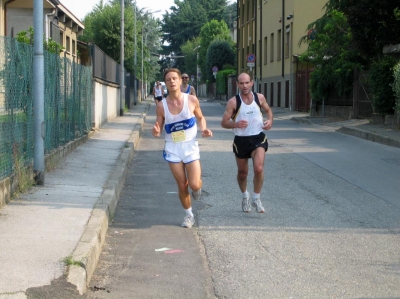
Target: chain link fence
[(67, 103)]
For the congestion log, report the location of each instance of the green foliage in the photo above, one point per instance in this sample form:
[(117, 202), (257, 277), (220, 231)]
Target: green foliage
[(230, 14), (190, 60), (183, 23), (221, 80), (396, 86), (103, 28), (374, 24), (381, 74), (27, 37), (209, 32), (332, 55), (219, 53)]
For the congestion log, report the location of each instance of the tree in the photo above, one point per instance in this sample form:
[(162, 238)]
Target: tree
[(190, 60), (332, 53), (209, 32), (103, 28), (215, 9), (219, 54), (230, 14), (182, 24), (373, 24)]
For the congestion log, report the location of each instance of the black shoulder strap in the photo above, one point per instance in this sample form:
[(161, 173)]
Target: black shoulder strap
[(256, 99), (238, 103)]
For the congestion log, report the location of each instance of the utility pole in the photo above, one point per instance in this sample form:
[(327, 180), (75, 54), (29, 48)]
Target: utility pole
[(38, 94), (122, 79), (135, 62)]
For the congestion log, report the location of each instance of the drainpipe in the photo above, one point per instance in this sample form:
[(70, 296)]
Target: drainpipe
[(53, 13), (5, 16)]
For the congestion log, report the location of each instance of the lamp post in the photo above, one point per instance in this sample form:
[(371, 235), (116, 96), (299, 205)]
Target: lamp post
[(148, 12), (122, 79), (197, 67), (134, 63)]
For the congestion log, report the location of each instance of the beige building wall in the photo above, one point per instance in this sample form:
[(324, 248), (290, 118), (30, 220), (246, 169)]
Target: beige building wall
[(261, 33)]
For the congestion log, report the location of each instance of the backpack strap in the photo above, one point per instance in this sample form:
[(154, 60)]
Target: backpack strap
[(257, 100), (239, 102)]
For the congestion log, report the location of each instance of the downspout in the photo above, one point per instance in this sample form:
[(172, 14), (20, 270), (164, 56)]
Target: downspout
[(261, 42), (5, 16), (255, 45), (237, 36), (53, 13)]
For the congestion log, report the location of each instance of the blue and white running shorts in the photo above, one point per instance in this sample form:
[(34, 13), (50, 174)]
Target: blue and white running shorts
[(185, 152)]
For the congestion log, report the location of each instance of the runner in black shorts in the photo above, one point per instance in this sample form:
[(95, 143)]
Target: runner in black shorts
[(243, 114), (243, 146)]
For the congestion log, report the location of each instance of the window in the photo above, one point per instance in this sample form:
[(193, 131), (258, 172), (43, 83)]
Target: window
[(287, 42), (73, 47), (271, 51), (265, 50), (67, 44), (279, 45), (62, 38)]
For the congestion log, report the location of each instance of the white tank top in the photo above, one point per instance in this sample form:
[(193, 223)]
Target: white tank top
[(252, 113), (158, 92), (180, 127)]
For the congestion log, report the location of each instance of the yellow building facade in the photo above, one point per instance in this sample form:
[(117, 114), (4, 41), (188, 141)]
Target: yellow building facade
[(59, 23), (269, 31)]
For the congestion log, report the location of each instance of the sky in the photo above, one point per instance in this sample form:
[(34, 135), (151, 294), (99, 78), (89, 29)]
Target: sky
[(81, 7)]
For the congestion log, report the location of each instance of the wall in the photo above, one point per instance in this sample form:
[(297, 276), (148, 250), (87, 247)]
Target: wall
[(105, 103)]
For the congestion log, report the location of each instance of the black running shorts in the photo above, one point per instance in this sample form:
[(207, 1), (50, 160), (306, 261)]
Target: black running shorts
[(243, 146)]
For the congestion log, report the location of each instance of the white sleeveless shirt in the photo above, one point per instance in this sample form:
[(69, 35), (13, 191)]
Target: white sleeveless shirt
[(158, 92), (253, 115), (182, 126)]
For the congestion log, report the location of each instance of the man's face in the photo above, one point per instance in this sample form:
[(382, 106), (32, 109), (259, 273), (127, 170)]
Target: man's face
[(245, 84), (173, 81), (185, 78)]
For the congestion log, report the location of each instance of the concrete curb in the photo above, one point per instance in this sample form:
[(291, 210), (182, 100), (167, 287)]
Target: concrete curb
[(369, 136), (88, 250)]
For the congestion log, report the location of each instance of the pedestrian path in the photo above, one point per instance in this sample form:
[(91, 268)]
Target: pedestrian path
[(361, 128), (66, 219)]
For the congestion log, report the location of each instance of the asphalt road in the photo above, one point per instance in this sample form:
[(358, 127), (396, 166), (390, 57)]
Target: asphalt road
[(331, 227)]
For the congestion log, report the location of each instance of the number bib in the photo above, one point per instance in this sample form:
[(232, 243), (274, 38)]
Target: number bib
[(178, 136)]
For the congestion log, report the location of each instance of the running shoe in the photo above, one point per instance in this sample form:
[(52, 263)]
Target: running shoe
[(245, 204), (258, 205), (188, 221), (196, 194)]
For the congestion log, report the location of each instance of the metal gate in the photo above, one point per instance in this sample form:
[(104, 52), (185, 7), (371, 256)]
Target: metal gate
[(362, 105), (302, 91)]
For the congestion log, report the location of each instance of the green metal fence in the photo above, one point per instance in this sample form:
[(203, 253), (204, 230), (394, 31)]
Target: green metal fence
[(68, 93)]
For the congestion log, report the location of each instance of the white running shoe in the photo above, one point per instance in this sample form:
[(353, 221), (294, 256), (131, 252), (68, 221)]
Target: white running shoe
[(188, 221), (245, 204), (258, 205), (196, 194)]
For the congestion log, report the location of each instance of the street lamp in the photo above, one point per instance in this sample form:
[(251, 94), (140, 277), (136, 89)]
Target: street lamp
[(197, 67), (122, 79), (148, 12)]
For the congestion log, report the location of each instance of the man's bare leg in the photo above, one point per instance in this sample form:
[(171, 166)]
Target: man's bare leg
[(193, 170)]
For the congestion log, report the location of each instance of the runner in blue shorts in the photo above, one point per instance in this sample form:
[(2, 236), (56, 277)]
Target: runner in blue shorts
[(179, 115)]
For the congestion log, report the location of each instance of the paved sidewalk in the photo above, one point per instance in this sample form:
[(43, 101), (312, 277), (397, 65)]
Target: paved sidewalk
[(67, 218), (361, 128)]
